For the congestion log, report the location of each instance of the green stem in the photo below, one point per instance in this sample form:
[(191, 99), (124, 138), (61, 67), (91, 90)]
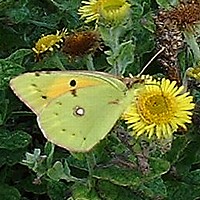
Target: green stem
[(91, 162), (191, 41), (59, 63), (89, 63)]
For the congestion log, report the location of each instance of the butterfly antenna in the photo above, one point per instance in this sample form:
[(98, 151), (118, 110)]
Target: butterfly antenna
[(150, 61)]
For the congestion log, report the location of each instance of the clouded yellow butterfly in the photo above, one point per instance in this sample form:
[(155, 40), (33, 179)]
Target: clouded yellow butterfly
[(75, 109)]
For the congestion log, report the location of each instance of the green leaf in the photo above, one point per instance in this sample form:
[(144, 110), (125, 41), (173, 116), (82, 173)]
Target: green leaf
[(36, 162), (187, 158), (4, 104), (174, 2), (111, 35), (62, 5), (19, 14), (82, 192), (138, 10), (9, 193), (49, 151), (130, 176), (148, 22), (14, 140), (194, 45), (57, 190), (8, 69), (154, 189), (122, 57), (193, 178), (78, 160), (182, 191), (18, 56), (11, 157), (109, 191), (6, 4), (178, 145), (34, 185), (60, 171), (163, 4)]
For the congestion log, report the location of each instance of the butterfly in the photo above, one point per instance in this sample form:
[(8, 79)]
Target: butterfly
[(75, 109)]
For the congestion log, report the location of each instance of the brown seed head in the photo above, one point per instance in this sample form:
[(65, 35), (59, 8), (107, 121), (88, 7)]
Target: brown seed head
[(81, 43)]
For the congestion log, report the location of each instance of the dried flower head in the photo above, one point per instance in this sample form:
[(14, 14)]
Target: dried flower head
[(187, 14), (170, 25), (81, 43), (169, 37)]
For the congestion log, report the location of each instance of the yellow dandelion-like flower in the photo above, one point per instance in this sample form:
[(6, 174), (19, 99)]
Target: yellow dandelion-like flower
[(47, 42), (194, 72), (109, 10), (160, 108)]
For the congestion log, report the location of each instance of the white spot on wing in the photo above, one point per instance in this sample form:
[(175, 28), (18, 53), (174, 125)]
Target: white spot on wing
[(78, 111)]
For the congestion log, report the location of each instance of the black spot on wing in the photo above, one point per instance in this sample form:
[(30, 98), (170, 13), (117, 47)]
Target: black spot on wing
[(44, 97), (34, 85), (73, 92), (115, 101), (36, 88), (72, 83), (59, 103)]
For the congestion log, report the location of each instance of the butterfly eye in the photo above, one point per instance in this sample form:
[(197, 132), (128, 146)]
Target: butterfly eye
[(72, 83), (78, 111)]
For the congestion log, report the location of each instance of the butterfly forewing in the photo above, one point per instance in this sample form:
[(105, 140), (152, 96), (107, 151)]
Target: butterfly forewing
[(37, 89)]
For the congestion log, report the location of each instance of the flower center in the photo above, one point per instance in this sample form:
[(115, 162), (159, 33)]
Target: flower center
[(156, 108), (113, 5)]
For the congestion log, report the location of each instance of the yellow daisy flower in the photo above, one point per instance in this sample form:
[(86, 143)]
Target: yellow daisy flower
[(47, 42), (160, 107), (109, 10)]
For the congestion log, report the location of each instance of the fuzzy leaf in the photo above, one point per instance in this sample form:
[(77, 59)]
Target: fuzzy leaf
[(131, 177), (60, 171)]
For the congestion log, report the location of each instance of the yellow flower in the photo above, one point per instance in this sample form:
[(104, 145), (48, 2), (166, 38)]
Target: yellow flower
[(47, 42), (109, 10), (194, 72), (160, 108)]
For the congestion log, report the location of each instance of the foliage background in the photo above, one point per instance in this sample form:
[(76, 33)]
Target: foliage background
[(119, 167)]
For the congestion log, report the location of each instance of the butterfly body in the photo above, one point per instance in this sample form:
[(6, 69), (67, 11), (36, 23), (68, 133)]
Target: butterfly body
[(75, 109)]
